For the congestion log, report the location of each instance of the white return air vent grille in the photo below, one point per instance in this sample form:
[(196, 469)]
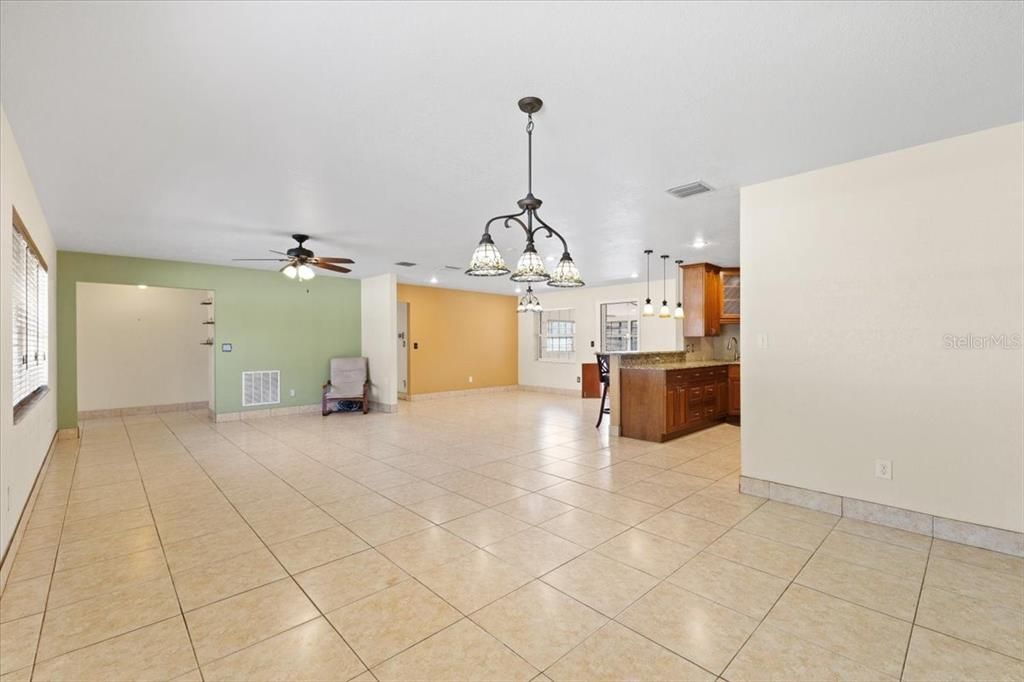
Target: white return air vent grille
[(689, 189), (262, 387)]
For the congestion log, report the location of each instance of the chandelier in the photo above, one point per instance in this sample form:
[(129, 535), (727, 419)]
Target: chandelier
[(529, 303), (487, 260)]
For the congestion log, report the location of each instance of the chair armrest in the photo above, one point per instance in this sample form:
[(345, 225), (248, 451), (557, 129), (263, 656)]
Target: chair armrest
[(325, 387)]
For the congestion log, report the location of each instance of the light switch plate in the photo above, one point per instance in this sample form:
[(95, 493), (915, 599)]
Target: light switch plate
[(762, 340)]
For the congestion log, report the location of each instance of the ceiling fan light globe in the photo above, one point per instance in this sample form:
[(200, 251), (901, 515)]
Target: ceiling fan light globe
[(290, 271), (305, 272)]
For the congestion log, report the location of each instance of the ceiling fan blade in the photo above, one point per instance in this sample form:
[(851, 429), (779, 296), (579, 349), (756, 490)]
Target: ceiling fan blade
[(275, 260), (280, 253), (332, 268), (325, 259)]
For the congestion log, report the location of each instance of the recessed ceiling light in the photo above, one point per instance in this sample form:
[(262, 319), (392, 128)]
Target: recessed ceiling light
[(634, 275), (519, 290), (551, 259), (699, 243), (142, 286), (433, 280)]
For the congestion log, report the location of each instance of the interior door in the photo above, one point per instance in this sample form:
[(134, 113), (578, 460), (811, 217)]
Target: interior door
[(403, 347)]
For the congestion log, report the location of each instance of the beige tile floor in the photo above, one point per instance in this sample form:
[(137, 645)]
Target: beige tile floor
[(496, 538)]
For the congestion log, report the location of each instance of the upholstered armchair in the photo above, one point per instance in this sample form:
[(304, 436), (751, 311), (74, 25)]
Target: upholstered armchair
[(349, 381)]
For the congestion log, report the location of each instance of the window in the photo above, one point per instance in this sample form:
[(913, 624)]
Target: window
[(30, 313), (620, 326), (557, 335)]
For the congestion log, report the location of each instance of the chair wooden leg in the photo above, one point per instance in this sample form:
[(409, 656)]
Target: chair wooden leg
[(323, 406), (600, 414), (366, 400)]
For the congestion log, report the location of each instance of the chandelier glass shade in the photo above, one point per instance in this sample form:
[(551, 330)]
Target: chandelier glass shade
[(487, 260), (530, 267)]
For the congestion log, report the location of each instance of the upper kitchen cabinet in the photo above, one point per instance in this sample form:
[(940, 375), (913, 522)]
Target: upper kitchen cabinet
[(711, 298), (730, 295)]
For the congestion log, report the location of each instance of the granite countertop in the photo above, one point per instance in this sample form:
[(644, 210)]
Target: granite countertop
[(688, 364)]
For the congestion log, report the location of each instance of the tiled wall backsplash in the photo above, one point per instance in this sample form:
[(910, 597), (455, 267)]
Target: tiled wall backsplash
[(712, 347), (653, 358)]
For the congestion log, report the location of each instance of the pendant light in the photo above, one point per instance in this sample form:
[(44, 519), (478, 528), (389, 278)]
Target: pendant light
[(648, 308), (679, 313), (487, 260), (664, 311)]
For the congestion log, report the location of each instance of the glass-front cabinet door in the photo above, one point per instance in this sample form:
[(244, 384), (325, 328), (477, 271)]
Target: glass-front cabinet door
[(730, 295)]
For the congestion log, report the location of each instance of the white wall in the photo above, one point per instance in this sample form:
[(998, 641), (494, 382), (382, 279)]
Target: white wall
[(140, 347), (856, 274), (655, 333), (23, 446), (379, 310)]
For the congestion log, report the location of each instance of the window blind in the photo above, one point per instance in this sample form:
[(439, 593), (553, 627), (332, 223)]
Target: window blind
[(557, 335), (29, 318)]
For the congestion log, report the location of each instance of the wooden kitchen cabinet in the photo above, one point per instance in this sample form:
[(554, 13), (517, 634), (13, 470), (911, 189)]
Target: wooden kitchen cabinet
[(659, 404), (702, 299), (730, 291), (734, 390), (711, 298)]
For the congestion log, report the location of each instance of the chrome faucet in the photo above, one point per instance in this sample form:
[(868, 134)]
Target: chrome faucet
[(733, 345)]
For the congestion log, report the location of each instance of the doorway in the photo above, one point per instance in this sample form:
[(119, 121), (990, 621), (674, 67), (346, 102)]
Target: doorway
[(143, 349), (403, 350)]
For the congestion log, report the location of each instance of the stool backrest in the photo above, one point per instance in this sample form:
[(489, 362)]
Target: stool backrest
[(603, 368)]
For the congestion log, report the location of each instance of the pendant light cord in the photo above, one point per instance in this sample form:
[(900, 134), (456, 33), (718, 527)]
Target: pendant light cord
[(648, 275), (664, 281), (529, 154)]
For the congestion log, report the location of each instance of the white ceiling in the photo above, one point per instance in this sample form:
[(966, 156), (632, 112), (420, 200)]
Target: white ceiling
[(389, 131)]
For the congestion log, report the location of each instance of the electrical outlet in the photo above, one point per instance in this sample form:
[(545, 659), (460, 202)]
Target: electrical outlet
[(578, 380), (291, 392), (883, 469), (762, 341)]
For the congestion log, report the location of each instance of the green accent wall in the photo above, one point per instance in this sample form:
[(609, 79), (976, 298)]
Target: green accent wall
[(272, 323)]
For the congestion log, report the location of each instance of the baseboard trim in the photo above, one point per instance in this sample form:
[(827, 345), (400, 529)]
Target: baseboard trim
[(569, 392), (963, 532), (19, 529), (461, 393), (142, 409)]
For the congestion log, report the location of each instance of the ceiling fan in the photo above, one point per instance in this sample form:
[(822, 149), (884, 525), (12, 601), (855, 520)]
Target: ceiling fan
[(300, 261)]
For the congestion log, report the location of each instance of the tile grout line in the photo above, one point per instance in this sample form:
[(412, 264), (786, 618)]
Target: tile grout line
[(163, 551), (56, 554), (917, 606)]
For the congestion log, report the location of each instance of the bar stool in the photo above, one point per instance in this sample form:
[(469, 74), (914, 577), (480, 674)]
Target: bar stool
[(605, 376)]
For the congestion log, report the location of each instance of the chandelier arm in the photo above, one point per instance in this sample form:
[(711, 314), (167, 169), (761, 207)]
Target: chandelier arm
[(541, 225), (487, 227), (515, 219)]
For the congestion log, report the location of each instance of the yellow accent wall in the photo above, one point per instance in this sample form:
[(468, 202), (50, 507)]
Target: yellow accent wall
[(460, 334)]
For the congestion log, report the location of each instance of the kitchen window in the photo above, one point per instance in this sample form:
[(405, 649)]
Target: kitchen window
[(620, 326), (30, 308), (557, 335)]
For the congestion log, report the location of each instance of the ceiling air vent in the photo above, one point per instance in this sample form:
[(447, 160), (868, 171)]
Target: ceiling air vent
[(404, 264), (689, 189)]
